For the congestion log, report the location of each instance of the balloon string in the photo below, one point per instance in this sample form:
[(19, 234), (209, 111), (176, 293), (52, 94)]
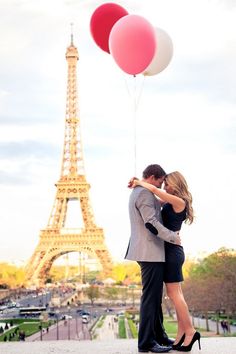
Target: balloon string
[(135, 96), (135, 137), (135, 107)]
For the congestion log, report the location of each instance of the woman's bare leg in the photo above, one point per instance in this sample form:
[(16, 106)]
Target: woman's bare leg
[(175, 293), (180, 330)]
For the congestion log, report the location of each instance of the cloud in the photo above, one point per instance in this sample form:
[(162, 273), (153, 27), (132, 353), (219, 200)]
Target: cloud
[(26, 149), (22, 162), (19, 178)]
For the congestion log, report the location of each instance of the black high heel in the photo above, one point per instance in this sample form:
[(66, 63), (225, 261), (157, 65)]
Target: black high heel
[(175, 346), (187, 348)]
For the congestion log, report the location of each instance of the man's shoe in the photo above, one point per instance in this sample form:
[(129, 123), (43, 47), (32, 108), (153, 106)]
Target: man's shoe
[(166, 341), (156, 349)]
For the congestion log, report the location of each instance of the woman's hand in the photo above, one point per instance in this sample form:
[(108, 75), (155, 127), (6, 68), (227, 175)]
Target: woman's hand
[(133, 182)]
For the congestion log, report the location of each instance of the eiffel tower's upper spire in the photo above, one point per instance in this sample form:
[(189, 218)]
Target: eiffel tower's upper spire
[(71, 35), (72, 51), (73, 161)]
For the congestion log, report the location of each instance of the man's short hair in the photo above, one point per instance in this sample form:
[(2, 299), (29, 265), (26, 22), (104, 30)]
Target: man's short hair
[(153, 170)]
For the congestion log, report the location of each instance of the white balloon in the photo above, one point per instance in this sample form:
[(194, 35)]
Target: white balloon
[(163, 54)]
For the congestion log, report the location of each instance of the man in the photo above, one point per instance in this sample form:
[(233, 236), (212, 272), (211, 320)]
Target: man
[(146, 246)]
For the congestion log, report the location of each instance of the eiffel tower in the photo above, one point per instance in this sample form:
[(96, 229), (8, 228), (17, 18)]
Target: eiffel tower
[(56, 240)]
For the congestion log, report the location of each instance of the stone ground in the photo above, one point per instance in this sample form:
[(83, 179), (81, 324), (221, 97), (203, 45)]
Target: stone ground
[(106, 343), (217, 345)]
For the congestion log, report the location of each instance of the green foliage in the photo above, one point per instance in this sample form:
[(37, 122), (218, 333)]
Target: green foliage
[(170, 326), (121, 328), (17, 321), (100, 322), (29, 327), (111, 293), (133, 328), (92, 293), (92, 276)]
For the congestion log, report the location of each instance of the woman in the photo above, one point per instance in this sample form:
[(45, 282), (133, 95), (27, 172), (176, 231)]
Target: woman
[(177, 208)]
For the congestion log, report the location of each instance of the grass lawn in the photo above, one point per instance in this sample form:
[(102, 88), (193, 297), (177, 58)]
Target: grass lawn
[(170, 326), (29, 326)]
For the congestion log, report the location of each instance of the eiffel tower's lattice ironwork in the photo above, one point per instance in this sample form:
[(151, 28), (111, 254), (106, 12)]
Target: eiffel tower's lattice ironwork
[(56, 240)]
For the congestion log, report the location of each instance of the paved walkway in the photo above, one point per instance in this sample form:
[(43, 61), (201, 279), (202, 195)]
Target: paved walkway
[(201, 322), (109, 330), (217, 345), (72, 329)]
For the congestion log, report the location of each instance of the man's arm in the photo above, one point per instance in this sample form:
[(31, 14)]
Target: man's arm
[(146, 207)]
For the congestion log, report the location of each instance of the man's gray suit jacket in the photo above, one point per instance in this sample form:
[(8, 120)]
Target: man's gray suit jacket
[(144, 246)]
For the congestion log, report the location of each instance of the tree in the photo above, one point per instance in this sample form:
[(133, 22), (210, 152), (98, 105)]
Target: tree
[(211, 285), (11, 276), (126, 271), (92, 293), (111, 293), (119, 273)]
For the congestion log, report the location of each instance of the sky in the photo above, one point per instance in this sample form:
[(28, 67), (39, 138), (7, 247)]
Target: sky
[(185, 119)]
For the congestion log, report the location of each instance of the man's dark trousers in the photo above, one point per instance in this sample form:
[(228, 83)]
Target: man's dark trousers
[(151, 317)]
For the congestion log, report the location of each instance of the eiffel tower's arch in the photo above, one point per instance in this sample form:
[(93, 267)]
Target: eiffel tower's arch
[(55, 240), (49, 258)]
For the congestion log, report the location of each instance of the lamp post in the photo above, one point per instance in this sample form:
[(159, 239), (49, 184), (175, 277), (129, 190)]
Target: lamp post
[(57, 313), (76, 323), (132, 287), (44, 297), (41, 327), (82, 327), (68, 307)]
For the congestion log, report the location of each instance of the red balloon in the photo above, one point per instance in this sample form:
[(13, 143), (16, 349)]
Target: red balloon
[(102, 21)]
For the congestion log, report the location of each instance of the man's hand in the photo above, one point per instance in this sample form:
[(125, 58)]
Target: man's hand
[(178, 239), (131, 183)]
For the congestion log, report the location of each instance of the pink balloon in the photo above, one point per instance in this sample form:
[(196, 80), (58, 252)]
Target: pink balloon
[(132, 43), (102, 21)]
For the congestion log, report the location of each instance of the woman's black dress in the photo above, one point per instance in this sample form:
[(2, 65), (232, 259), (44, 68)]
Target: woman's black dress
[(174, 254)]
